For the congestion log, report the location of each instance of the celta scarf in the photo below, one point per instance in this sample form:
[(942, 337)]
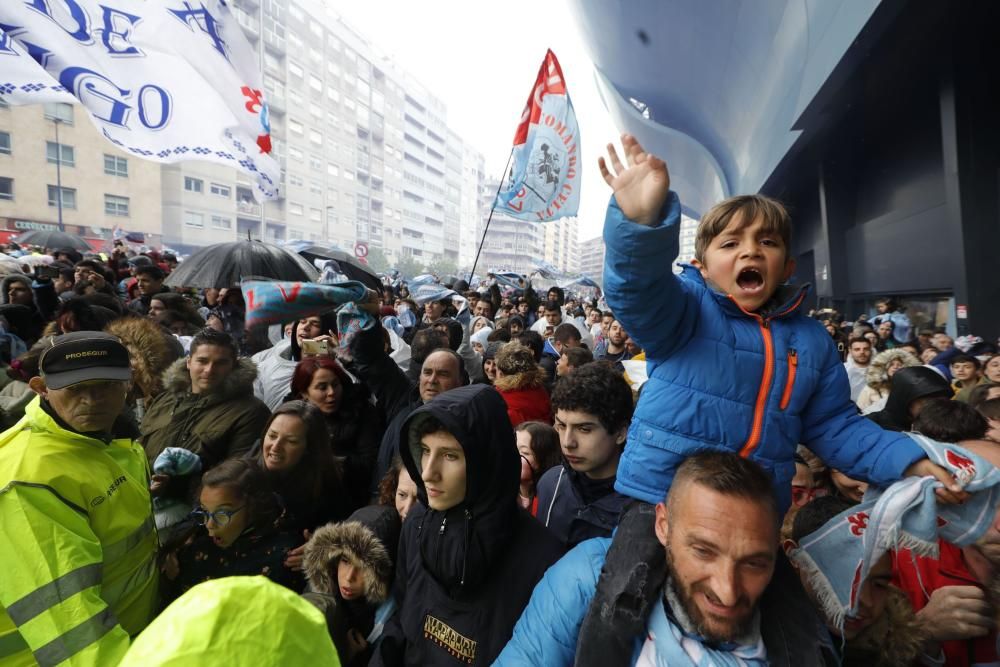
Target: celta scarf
[(837, 558), (667, 645)]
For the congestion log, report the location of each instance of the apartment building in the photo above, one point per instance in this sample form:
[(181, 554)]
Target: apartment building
[(57, 170), (592, 259), (365, 149), (561, 248)]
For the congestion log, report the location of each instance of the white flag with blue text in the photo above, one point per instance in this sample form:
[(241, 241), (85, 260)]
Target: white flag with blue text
[(164, 80)]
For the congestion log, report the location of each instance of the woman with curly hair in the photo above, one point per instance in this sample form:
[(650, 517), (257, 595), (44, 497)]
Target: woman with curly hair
[(397, 489)]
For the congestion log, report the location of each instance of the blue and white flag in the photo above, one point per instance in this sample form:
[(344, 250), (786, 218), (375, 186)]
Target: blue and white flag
[(544, 179), (164, 80)]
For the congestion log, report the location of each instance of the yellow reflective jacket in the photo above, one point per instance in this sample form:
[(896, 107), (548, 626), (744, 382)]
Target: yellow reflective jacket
[(78, 573), (235, 621)]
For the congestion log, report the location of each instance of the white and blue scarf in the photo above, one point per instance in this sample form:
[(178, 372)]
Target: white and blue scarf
[(668, 644), (836, 558)]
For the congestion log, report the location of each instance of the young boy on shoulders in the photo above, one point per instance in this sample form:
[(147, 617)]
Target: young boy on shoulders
[(733, 364)]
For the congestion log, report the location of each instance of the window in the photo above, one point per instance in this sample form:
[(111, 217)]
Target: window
[(295, 209), (60, 154), (296, 180), (315, 163), (316, 137), (294, 126), (4, 143), (114, 205), (6, 189), (221, 222), (271, 60), (192, 219), (221, 190), (194, 184), (295, 154), (115, 166), (295, 69), (315, 83), (60, 112), (315, 215), (68, 196)]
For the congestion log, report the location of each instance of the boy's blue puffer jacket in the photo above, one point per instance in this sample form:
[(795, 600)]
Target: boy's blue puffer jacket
[(725, 379)]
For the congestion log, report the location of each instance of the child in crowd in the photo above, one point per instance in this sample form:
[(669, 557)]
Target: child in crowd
[(733, 364), (240, 532), (349, 566), (538, 445)]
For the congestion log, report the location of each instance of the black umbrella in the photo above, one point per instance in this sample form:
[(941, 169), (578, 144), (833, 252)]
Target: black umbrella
[(226, 264), (346, 264), (52, 240)]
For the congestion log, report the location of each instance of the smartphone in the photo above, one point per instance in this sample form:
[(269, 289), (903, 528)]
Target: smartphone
[(316, 348)]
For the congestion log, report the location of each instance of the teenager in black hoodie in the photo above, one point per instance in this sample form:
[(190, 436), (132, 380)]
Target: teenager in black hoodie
[(469, 557)]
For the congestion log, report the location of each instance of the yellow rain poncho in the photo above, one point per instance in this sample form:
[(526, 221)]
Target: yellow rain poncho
[(235, 621)]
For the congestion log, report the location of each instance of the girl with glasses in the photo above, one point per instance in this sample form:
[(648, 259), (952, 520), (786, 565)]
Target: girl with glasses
[(239, 530)]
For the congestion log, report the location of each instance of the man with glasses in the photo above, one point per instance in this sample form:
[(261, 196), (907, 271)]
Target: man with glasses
[(78, 542)]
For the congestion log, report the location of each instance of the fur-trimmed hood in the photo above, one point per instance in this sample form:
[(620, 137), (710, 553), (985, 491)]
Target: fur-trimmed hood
[(368, 538), (149, 350), (894, 639), (518, 381), (877, 375), (239, 383)]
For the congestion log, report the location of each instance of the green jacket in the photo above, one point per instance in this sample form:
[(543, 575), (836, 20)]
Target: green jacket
[(217, 426), (77, 545)]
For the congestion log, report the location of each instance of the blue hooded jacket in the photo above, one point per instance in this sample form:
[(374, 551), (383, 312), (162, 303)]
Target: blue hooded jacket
[(724, 378), (548, 630)]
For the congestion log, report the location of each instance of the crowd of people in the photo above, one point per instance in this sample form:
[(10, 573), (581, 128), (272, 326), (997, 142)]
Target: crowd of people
[(492, 474)]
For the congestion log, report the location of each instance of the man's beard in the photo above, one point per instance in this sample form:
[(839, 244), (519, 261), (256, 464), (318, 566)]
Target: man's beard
[(703, 626)]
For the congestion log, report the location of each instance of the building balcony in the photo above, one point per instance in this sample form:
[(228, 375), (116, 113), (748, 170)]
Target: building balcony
[(248, 208)]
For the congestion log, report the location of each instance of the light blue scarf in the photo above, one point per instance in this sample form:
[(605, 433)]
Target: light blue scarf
[(667, 645), (836, 558)]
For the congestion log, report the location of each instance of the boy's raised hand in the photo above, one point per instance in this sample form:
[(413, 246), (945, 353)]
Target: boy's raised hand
[(642, 187)]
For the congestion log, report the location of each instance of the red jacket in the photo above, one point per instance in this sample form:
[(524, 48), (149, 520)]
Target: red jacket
[(525, 403), (948, 570)]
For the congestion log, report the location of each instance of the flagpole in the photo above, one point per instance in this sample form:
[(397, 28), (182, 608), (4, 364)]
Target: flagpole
[(482, 241), (260, 60)]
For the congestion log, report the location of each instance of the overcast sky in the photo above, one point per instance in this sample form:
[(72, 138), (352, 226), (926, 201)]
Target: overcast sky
[(481, 59)]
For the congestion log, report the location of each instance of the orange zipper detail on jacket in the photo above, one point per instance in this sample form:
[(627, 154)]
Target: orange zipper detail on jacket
[(768, 376), (793, 367), (765, 384)]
